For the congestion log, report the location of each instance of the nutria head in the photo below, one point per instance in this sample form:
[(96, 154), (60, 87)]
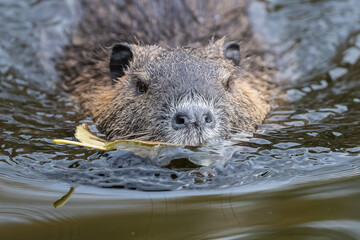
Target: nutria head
[(182, 95)]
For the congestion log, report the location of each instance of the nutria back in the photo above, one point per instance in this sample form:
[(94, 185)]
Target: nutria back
[(162, 70)]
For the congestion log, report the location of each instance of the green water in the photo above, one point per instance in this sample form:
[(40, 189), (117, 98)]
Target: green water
[(296, 178)]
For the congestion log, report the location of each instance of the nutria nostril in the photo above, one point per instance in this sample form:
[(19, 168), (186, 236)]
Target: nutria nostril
[(181, 119), (205, 118), (208, 119)]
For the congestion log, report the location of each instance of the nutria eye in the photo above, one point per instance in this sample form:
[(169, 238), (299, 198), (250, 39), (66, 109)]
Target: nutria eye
[(141, 87), (228, 84)]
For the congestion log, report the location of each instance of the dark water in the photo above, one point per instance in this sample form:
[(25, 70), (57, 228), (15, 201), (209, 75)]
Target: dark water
[(296, 178)]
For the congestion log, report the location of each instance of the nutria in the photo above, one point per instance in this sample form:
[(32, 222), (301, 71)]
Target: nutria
[(151, 69)]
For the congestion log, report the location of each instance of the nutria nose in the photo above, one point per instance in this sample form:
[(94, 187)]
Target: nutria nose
[(198, 117)]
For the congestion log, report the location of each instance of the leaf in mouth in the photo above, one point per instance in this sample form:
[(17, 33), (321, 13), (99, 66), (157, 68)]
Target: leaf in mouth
[(87, 139)]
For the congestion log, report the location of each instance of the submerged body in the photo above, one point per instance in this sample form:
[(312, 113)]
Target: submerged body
[(158, 90)]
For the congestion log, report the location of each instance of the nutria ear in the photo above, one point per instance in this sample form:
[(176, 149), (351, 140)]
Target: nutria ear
[(232, 52), (121, 56)]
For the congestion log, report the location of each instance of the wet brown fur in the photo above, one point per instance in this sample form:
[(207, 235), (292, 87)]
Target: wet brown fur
[(153, 26)]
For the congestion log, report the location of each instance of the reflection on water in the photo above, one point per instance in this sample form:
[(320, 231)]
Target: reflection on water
[(297, 176), (321, 210), (305, 34)]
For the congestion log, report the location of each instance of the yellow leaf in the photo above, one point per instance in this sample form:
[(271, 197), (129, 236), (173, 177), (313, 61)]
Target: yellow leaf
[(84, 135), (87, 139), (64, 199)]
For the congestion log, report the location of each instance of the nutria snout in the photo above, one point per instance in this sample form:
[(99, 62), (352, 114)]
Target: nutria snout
[(193, 125), (193, 117)]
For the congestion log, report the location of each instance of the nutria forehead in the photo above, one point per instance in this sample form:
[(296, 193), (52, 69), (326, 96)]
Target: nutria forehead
[(185, 66)]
